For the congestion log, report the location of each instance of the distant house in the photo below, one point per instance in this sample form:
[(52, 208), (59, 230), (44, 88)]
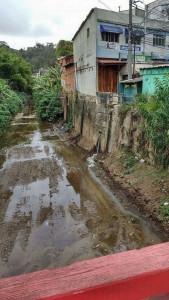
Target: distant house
[(149, 74), (67, 72), (67, 81)]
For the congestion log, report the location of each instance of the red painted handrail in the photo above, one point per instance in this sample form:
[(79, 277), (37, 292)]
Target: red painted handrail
[(130, 275)]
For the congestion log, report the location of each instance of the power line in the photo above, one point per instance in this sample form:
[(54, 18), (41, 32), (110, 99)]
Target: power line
[(146, 42), (150, 12), (118, 14)]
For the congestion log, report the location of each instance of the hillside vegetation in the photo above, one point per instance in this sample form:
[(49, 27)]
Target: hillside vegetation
[(39, 56), (15, 84), (155, 112), (10, 104), (15, 70)]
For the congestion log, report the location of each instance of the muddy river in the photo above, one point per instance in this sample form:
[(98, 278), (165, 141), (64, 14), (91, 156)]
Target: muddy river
[(53, 209)]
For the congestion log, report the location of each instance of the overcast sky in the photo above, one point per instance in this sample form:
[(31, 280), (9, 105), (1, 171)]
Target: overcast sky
[(25, 22)]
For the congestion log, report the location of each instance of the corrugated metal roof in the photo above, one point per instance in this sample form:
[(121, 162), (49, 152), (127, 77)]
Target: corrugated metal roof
[(155, 66), (105, 61), (134, 80)]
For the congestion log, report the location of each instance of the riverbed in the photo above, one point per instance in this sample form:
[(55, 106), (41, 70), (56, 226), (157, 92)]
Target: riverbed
[(54, 209)]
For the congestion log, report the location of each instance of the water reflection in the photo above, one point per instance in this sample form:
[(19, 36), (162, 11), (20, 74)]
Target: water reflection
[(53, 211)]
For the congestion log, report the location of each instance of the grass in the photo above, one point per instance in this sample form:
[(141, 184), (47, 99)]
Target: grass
[(164, 209), (158, 174), (129, 161)]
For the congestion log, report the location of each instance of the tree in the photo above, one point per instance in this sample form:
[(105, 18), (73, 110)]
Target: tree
[(64, 48), (15, 70), (3, 44), (39, 56)]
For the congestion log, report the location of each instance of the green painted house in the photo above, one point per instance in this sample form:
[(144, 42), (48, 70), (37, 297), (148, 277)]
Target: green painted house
[(149, 74)]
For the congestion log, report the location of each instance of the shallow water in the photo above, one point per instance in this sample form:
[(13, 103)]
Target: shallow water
[(54, 210)]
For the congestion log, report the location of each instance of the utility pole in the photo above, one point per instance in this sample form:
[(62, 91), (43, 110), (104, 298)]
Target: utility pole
[(129, 59)]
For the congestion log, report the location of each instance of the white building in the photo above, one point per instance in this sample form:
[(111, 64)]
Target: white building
[(101, 49)]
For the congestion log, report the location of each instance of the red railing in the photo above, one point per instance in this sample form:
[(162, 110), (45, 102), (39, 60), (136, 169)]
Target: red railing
[(130, 275)]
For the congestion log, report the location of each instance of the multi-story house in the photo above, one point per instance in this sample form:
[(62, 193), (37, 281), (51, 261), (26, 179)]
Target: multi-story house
[(101, 49), (100, 56)]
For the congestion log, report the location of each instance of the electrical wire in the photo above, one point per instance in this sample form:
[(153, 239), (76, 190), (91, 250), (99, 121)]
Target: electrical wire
[(147, 41), (150, 12), (118, 14)]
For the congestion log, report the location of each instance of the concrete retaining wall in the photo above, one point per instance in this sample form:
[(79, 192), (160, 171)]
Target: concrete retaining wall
[(112, 126)]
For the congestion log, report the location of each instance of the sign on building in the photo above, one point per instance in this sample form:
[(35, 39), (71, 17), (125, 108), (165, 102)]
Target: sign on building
[(111, 45), (125, 48), (142, 58)]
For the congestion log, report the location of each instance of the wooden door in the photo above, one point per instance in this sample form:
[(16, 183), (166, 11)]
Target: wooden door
[(107, 79)]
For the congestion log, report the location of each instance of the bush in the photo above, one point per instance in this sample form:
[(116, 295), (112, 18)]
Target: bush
[(129, 161), (10, 104), (155, 111), (46, 95), (164, 209)]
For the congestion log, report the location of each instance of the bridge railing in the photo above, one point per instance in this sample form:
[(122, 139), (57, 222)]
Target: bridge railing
[(130, 275)]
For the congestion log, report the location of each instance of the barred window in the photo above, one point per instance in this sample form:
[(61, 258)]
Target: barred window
[(110, 37), (158, 40)]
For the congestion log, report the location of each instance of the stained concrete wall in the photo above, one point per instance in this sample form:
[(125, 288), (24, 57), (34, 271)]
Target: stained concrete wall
[(105, 121), (90, 118), (84, 49)]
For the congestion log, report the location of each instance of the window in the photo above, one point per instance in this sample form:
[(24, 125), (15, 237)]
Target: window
[(124, 77), (134, 40), (110, 37), (158, 40), (88, 32)]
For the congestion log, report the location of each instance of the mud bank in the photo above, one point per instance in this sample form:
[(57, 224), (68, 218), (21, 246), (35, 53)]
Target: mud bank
[(146, 186)]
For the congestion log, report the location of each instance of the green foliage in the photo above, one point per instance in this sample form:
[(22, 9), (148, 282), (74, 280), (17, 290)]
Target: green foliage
[(64, 48), (10, 103), (164, 209), (47, 95), (155, 111), (129, 161), (39, 56), (15, 70)]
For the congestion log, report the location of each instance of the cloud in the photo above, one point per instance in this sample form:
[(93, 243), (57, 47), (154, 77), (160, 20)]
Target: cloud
[(41, 30), (14, 17), (24, 22), (17, 18)]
